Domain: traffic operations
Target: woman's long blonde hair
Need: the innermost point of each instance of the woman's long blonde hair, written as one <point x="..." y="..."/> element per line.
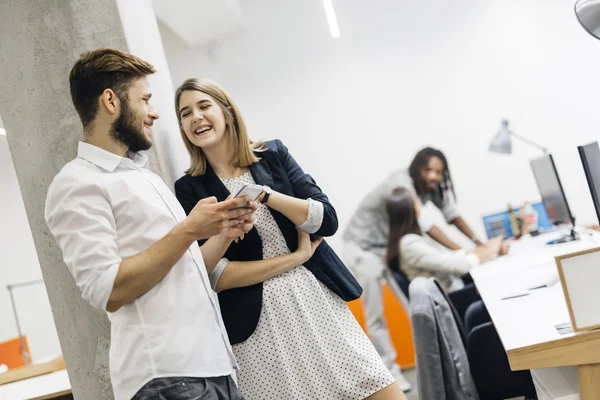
<point x="236" y="133"/>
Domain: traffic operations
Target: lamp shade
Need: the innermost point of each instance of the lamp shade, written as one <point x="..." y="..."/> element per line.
<point x="588" y="15"/>
<point x="502" y="142"/>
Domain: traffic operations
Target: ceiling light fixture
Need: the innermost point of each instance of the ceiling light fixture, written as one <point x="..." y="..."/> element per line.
<point x="331" y="19"/>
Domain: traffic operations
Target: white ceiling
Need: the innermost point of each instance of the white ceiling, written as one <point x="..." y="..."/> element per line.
<point x="200" y="22"/>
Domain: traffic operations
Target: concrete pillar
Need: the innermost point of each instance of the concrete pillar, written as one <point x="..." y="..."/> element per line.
<point x="39" y="42"/>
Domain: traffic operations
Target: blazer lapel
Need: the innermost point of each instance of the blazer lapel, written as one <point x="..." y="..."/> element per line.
<point x="261" y="172"/>
<point x="211" y="180"/>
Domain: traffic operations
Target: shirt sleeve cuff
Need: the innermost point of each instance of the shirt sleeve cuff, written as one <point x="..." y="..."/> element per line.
<point x="425" y="222"/>
<point x="315" y="217"/>
<point x="451" y="212"/>
<point x="216" y="273"/>
<point x="473" y="260"/>
<point x="102" y="288"/>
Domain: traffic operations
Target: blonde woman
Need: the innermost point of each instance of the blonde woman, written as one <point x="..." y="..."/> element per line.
<point x="282" y="289"/>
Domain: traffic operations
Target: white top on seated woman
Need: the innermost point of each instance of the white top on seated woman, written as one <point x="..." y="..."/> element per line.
<point x="411" y="253"/>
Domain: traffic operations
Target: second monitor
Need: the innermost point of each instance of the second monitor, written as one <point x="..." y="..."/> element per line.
<point x="590" y="158"/>
<point x="553" y="195"/>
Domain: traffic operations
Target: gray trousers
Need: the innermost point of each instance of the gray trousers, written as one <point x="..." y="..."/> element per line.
<point x="174" y="388"/>
<point x="368" y="268"/>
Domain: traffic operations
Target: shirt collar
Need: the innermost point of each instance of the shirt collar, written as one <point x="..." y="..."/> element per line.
<point x="107" y="160"/>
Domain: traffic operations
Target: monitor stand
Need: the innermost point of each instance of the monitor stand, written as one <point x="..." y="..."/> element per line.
<point x="566" y="238"/>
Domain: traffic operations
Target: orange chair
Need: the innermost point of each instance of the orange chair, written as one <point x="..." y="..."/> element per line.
<point x="398" y="322"/>
<point x="10" y="352"/>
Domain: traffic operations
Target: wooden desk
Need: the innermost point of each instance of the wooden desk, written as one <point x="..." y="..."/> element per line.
<point x="526" y="325"/>
<point x="47" y="386"/>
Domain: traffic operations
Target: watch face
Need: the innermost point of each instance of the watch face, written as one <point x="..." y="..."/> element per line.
<point x="267" y="191"/>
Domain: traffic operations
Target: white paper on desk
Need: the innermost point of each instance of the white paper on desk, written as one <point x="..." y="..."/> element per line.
<point x="514" y="295"/>
<point x="547" y="280"/>
<point x="539" y="276"/>
<point x="564" y="329"/>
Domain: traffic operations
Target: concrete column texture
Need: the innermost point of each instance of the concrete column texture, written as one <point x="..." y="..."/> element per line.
<point x="39" y="42"/>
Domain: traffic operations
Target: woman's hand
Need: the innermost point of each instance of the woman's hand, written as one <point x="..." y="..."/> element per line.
<point x="487" y="251"/>
<point x="504" y="248"/>
<point x="306" y="247"/>
<point x="495" y="245"/>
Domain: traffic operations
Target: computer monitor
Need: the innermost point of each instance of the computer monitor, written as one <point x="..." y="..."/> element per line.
<point x="553" y="195"/>
<point x="590" y="158"/>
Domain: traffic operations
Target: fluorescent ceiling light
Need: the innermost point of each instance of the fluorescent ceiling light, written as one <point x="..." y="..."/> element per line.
<point x="331" y="19"/>
<point x="2" y="132"/>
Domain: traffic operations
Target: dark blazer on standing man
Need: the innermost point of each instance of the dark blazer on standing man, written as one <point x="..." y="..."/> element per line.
<point x="277" y="169"/>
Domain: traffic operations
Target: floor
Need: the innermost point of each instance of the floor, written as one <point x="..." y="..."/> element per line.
<point x="411" y="375"/>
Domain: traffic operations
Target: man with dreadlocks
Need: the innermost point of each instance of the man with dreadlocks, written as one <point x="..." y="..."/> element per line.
<point x="367" y="234"/>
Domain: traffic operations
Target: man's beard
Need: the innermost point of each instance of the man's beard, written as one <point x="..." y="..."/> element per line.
<point x="128" y="130"/>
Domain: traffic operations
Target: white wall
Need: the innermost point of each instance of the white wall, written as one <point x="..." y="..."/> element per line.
<point x="19" y="263"/>
<point x="405" y="74"/>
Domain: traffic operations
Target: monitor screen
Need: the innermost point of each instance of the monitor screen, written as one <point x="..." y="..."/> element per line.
<point x="551" y="190"/>
<point x="590" y="158"/>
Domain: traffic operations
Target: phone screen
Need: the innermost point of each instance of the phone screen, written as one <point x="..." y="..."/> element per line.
<point x="252" y="191"/>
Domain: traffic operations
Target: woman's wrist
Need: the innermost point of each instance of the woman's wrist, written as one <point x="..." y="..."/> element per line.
<point x="301" y="257"/>
<point x="224" y="239"/>
<point x="265" y="195"/>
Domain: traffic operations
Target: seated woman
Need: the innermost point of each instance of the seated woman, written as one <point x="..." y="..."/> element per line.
<point x="412" y="255"/>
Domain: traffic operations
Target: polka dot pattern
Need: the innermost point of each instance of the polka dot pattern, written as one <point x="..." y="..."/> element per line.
<point x="307" y="344"/>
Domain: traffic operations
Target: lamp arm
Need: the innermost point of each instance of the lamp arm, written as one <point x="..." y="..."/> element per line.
<point x="524" y="139"/>
<point x="24" y="354"/>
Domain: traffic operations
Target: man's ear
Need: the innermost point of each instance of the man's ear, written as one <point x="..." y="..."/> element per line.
<point x="109" y="101"/>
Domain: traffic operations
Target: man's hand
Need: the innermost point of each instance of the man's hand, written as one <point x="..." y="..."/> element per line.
<point x="244" y="225"/>
<point x="209" y="217"/>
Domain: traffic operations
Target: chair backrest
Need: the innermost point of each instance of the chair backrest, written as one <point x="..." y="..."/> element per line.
<point x="397" y="289"/>
<point x="11" y="352"/>
<point x="402" y="281"/>
<point x="442" y="364"/>
<point x="457" y="320"/>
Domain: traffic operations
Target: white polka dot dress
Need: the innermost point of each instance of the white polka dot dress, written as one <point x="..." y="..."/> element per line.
<point x="307" y="344"/>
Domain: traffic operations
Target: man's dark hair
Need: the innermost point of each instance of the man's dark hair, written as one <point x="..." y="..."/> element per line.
<point x="102" y="69"/>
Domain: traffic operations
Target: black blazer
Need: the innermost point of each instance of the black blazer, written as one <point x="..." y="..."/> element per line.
<point x="277" y="169"/>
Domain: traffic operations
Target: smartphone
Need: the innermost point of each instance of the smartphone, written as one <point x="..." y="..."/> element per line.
<point x="252" y="191"/>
